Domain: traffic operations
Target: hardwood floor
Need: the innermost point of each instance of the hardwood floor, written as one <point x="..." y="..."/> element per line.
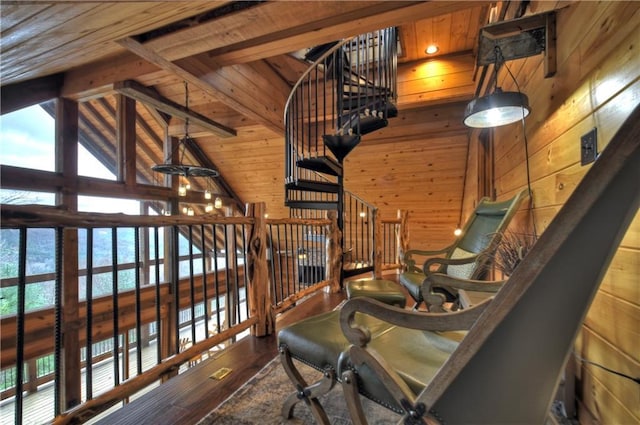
<point x="188" y="397"/>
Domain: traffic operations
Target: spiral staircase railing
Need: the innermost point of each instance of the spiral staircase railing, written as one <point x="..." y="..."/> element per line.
<point x="347" y="92"/>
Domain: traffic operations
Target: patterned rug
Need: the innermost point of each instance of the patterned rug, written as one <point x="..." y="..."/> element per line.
<point x="259" y="402"/>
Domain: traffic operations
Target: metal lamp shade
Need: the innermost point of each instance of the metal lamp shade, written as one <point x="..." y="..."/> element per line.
<point x="496" y="109"/>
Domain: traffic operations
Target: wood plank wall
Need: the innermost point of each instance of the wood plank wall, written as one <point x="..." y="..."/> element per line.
<point x="415" y="164"/>
<point x="597" y="85"/>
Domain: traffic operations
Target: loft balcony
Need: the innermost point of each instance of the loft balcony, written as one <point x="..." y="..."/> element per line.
<point x="149" y="297"/>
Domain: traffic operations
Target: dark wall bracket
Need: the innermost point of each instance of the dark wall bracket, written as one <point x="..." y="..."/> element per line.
<point x="521" y="38"/>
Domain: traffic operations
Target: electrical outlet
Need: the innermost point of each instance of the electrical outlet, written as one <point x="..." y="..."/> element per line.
<point x="589" y="147"/>
<point x="220" y="373"/>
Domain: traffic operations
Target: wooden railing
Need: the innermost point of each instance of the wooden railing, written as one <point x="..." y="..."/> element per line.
<point x="198" y="283"/>
<point x="392" y="241"/>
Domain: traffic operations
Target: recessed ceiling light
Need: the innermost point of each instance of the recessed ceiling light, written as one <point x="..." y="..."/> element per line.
<point x="431" y="49"/>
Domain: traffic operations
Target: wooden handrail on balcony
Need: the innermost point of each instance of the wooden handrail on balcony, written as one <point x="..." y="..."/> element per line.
<point x="269" y="246"/>
<point x="113" y="315"/>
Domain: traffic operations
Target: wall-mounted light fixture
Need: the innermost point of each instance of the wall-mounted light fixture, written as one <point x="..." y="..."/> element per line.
<point x="431" y="49"/>
<point x="503" y="41"/>
<point x="498" y="108"/>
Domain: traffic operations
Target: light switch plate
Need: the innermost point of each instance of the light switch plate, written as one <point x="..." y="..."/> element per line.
<point x="589" y="147"/>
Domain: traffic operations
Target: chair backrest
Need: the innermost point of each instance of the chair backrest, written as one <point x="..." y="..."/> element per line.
<point x="483" y="232"/>
<point x="507" y="368"/>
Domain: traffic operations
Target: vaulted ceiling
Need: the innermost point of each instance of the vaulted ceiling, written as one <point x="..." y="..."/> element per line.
<point x="236" y="58"/>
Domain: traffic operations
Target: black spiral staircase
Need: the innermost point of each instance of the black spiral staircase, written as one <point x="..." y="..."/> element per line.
<point x="348" y="92"/>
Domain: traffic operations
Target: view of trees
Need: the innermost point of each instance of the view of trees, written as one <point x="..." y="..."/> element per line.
<point x="41" y="259"/>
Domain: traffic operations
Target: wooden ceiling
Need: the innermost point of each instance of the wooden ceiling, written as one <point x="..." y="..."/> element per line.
<point x="235" y="57"/>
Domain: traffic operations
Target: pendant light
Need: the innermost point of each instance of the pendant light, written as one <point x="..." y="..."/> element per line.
<point x="181" y="169"/>
<point x="498" y="108"/>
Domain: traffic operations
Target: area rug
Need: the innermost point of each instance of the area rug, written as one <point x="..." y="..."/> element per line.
<point x="259" y="402"/>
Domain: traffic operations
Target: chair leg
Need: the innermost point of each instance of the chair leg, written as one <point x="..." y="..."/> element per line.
<point x="305" y="392"/>
<point x="416" y="306"/>
<point x="352" y="397"/>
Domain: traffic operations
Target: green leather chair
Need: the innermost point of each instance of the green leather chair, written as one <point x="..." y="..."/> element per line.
<point x="319" y="342"/>
<point x="468" y="257"/>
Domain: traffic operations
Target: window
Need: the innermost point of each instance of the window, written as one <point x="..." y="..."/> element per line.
<point x="30" y="130"/>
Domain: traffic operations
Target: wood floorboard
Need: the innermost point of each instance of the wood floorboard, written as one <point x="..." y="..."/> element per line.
<point x="186" y="398"/>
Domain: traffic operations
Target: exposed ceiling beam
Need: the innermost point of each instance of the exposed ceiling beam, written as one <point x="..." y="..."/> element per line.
<point x="236" y="89"/>
<point x="334" y="28"/>
<point x="254" y="89"/>
<point x="302" y="31"/>
<point x="33" y="92"/>
<point x="230" y="33"/>
<point x="149" y="96"/>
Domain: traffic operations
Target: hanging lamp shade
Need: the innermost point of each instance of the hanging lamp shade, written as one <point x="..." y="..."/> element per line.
<point x="185" y="170"/>
<point x="496" y="109"/>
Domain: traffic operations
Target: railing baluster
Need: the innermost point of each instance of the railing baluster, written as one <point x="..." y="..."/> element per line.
<point x="114" y="297"/>
<point x="296" y="242"/>
<point x="215" y="276"/>
<point x="280" y="265"/>
<point x="245" y="252"/>
<point x="156" y="250"/>
<point x="370" y="234"/>
<point x="205" y="295"/>
<point x="192" y="288"/>
<point x="22" y="287"/>
<point x="287" y="256"/>
<point x="57" y="331"/>
<point x="272" y="265"/>
<point x="236" y="282"/>
<point x="89" y="296"/>
<point x="136" y="238"/>
<point x="228" y="306"/>
<point x="175" y="285"/>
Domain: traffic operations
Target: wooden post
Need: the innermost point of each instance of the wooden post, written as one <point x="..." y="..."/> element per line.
<point x="378" y="237"/>
<point x="67" y="164"/>
<point x="31" y="385"/>
<point x="258" y="292"/>
<point x="334" y="252"/>
<point x="126" y="139"/>
<point x="402" y="236"/>
<point x="168" y="333"/>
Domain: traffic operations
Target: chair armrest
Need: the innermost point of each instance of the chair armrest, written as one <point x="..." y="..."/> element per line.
<point x="410" y="262"/>
<point x="360" y="336"/>
<point x="449" y="261"/>
<point x="435" y="300"/>
<point x="441" y="279"/>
